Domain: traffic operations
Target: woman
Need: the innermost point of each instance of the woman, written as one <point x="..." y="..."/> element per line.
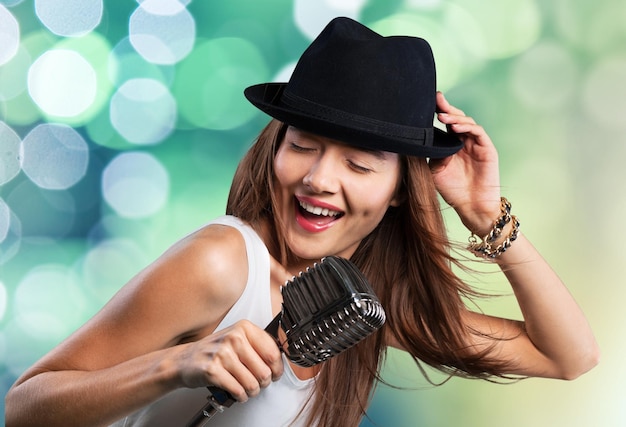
<point x="350" y="166"/>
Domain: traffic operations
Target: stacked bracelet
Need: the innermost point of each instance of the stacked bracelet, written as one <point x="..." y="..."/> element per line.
<point x="485" y="248"/>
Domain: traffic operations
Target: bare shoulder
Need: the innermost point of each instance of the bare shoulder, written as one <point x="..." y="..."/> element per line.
<point x="199" y="278"/>
<point x="216" y="257"/>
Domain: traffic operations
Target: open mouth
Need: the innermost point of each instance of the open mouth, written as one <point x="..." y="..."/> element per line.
<point x="316" y="216"/>
<point x="317" y="210"/>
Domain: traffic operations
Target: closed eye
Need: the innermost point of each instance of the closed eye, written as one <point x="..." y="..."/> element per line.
<point x="300" y="148"/>
<point x="359" y="168"/>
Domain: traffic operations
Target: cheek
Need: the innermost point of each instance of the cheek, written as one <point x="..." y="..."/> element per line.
<point x="386" y="190"/>
<point x="281" y="169"/>
<point x="286" y="178"/>
<point x="373" y="199"/>
<point x="287" y="166"/>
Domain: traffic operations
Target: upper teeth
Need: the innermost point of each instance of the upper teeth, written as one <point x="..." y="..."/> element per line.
<point x="316" y="210"/>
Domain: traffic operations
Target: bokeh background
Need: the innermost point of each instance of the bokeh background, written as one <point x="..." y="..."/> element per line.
<point x="121" y="124"/>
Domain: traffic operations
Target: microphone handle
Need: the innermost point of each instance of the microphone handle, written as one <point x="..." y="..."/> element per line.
<point x="218" y="401"/>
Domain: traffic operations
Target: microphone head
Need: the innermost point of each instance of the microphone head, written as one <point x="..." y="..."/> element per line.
<point x="326" y="310"/>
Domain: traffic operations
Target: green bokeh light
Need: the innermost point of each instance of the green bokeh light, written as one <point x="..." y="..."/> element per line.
<point x="210" y="81"/>
<point x="594" y="27"/>
<point x="546" y="77"/>
<point x="604" y="101"/>
<point x="126" y="64"/>
<point x="50" y="301"/>
<point x="13" y="75"/>
<point x="101" y="131"/>
<point x="508" y="27"/>
<point x="106" y="265"/>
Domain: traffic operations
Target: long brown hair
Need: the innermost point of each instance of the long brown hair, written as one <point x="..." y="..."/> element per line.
<point x="406" y="258"/>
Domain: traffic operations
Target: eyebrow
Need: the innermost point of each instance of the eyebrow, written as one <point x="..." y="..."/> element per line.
<point x="380" y="154"/>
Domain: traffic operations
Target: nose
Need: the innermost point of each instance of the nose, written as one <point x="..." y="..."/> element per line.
<point x="322" y="175"/>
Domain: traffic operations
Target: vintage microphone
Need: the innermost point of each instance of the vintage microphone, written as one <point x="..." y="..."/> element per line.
<point x="326" y="310"/>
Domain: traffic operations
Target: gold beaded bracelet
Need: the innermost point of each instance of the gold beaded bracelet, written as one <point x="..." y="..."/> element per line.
<point x="484" y="248"/>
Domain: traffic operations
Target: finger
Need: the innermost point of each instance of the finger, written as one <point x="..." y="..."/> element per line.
<point x="472" y="129"/>
<point x="242" y="375"/>
<point x="252" y="372"/>
<point x="247" y="379"/>
<point x="255" y="354"/>
<point x="253" y="350"/>
<point x="450" y="119"/>
<point x="234" y="364"/>
<point x="443" y="106"/>
<point x="266" y="358"/>
<point x="461" y="124"/>
<point x="225" y="370"/>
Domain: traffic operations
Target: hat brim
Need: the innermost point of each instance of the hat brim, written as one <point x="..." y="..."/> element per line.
<point x="267" y="97"/>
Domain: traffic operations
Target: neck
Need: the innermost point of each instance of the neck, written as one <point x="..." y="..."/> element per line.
<point x="294" y="264"/>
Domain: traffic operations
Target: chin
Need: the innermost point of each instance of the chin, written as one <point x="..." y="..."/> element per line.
<point x="305" y="255"/>
<point x="315" y="252"/>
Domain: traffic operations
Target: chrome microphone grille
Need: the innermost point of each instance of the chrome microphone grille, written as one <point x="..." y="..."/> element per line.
<point x="326" y="310"/>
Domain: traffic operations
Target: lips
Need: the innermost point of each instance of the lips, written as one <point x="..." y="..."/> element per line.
<point x="314" y="216"/>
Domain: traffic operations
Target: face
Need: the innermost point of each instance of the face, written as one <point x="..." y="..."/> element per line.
<point x="331" y="195"/>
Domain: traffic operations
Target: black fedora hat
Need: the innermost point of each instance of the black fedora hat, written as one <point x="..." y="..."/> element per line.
<point x="356" y="86"/>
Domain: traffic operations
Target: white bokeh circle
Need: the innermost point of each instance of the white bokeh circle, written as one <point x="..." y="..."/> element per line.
<point x="9" y="35"/>
<point x="135" y="184"/>
<point x="62" y="83"/>
<point x="55" y="156"/>
<point x="147" y="102"/>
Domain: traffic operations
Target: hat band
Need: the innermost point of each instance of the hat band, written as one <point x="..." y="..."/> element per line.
<point x="420" y="136"/>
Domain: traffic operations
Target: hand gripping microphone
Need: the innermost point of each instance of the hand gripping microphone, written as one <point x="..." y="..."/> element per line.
<point x="326" y="310"/>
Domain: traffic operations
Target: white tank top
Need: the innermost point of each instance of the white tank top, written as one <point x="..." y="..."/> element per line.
<point x="277" y="405"/>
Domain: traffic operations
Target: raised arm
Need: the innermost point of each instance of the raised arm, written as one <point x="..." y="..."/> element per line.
<point x="555" y="339"/>
<point x="154" y="336"/>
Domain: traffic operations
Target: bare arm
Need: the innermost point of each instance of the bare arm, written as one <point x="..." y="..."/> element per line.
<point x="56" y="396"/>
<point x="554" y="340"/>
<point x="154" y="336"/>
